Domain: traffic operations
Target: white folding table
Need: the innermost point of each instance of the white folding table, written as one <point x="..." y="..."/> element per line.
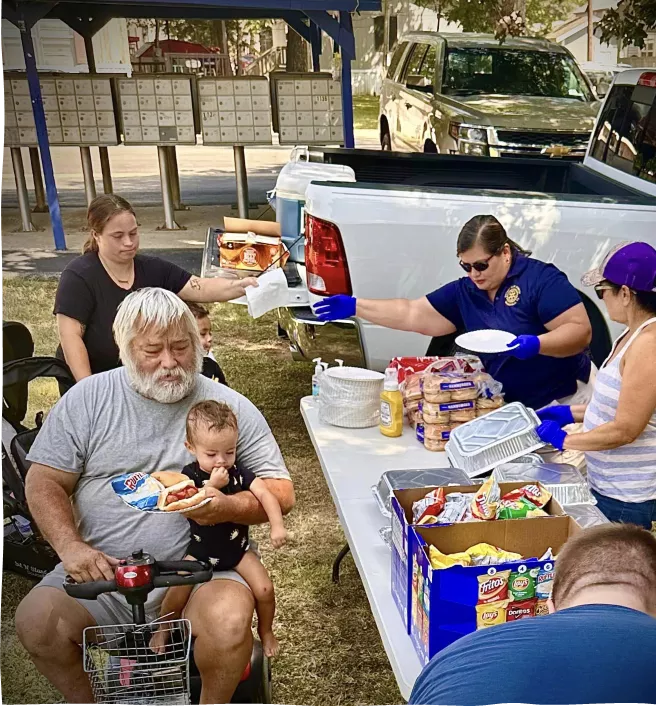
<point x="352" y="461"/>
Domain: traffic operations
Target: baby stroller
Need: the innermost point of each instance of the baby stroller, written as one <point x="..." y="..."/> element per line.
<point x="26" y="552"/>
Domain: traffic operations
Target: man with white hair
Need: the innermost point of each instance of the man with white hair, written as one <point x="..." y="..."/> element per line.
<point x="133" y="419"/>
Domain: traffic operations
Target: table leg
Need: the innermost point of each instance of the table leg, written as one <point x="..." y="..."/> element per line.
<point x="338" y="560"/>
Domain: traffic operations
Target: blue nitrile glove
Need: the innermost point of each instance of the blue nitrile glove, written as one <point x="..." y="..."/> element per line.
<point x="551" y="433"/>
<point x="340" y="306"/>
<point x="524" y="347"/>
<point x="559" y="413"/>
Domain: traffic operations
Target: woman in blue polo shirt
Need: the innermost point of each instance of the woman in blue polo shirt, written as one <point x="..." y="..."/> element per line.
<point x="504" y="289"/>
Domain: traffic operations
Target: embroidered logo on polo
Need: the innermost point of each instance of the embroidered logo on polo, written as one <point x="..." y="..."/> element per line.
<point x="512" y="295"/>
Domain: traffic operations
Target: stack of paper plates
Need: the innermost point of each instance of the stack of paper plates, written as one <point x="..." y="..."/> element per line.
<point x="350" y="397"/>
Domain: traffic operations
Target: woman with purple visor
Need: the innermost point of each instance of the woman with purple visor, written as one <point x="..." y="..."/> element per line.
<point x="619" y="422"/>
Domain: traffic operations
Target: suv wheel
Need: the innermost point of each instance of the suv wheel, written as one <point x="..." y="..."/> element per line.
<point x="386" y="142"/>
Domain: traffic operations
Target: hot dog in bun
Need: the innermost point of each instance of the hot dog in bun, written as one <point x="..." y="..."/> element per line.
<point x="179" y="492"/>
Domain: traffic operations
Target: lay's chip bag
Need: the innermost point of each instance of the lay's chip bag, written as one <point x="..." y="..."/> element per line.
<point x="444" y="561"/>
<point x="489" y="614"/>
<point x="486" y="501"/>
<point x="522" y="583"/>
<point x="484" y="554"/>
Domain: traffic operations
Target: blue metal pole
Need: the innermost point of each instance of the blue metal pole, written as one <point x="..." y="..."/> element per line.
<point x="42" y="134"/>
<point x="347" y="90"/>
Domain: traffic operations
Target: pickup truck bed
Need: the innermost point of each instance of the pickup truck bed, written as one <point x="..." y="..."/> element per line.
<point x="454" y="172"/>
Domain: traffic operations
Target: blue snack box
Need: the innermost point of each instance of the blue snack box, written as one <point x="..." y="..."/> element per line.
<point x="443" y="601"/>
<point x="403" y="539"/>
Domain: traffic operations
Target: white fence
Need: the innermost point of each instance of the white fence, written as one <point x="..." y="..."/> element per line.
<point x="366" y="82"/>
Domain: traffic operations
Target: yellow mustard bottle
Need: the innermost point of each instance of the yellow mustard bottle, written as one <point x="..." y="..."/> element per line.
<point x="391" y="406"/>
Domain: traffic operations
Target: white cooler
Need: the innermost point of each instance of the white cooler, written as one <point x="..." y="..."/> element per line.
<point x="292" y="182"/>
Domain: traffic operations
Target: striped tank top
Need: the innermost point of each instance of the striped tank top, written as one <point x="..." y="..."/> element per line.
<point x="627" y="473"/>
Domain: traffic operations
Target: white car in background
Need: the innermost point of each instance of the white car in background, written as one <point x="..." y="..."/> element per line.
<point x="601" y="75"/>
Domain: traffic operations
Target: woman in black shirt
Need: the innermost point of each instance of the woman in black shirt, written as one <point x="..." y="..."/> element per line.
<point x="93" y="285"/>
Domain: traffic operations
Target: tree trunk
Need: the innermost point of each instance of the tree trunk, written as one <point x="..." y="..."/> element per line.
<point x="297" y="53"/>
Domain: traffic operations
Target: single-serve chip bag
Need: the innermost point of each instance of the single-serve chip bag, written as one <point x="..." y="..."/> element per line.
<point x="484" y="554"/>
<point x="518" y="610"/>
<point x="486" y="501"/>
<point x="444" y="561"/>
<point x="455" y="509"/>
<point x="544" y="583"/>
<point x="489" y="614"/>
<point x="518" y="509"/>
<point x="535" y="493"/>
<point x="429" y="506"/>
<point x="522" y="583"/>
<point x="138" y="490"/>
<point x="493" y="587"/>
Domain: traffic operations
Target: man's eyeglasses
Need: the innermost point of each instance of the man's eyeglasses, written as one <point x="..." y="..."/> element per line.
<point x="479" y="266"/>
<point x="600" y="289"/>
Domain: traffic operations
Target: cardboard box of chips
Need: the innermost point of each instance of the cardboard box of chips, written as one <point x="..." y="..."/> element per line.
<point x="447" y="603"/>
<point x="403" y="539"/>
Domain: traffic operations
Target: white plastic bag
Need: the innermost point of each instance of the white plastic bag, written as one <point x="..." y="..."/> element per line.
<point x="273" y="292"/>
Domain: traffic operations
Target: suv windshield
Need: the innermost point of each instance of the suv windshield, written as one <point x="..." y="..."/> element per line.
<point x="513" y="72"/>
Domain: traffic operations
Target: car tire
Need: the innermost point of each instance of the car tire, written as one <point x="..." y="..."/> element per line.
<point x="386" y="142"/>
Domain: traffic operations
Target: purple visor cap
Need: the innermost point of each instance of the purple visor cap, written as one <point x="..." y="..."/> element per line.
<point x="632" y="264"/>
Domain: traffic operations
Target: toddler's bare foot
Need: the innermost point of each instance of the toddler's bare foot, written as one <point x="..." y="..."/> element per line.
<point x="158" y="641"/>
<point x="270" y="644"/>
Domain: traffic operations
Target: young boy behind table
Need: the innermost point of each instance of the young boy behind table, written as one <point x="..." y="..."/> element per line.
<point x="212" y="438"/>
<point x="211" y="369"/>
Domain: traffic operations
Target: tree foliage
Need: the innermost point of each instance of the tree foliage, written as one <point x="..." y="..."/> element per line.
<point x="496" y="16"/>
<point x="630" y="22"/>
<point x="240" y="34"/>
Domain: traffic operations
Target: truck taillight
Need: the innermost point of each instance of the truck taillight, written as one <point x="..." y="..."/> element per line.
<point x="325" y="259"/>
<point x="648" y="78"/>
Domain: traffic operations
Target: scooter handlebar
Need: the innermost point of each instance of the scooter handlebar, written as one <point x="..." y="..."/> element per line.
<point x="167" y="573"/>
<point x="89" y="590"/>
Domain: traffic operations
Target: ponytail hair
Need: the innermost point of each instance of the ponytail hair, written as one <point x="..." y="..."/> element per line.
<point x="100" y="211"/>
<point x="487" y="232"/>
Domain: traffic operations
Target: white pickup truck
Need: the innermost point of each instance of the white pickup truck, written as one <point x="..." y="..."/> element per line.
<point x="393" y="232"/>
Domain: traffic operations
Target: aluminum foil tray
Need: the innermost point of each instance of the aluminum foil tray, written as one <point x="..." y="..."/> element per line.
<point x="586" y="515"/>
<point x="402" y="480"/>
<point x="386" y="535"/>
<point x="500" y="436"/>
<point x="564" y="482"/>
<point x="528" y="458"/>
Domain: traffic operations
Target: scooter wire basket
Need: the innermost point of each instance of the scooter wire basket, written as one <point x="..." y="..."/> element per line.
<point x="124" y="669"/>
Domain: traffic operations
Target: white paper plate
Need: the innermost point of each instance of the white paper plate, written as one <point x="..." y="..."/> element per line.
<point x="486" y="341"/>
<point x="176" y="512"/>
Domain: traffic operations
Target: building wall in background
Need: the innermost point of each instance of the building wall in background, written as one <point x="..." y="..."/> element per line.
<point x="59" y="48"/>
<point x="370" y="66"/>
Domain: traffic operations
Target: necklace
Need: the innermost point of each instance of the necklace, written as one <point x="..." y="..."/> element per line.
<point x="112" y="275"/>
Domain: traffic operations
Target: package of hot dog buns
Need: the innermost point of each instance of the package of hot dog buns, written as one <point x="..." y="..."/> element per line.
<point x="162" y="491"/>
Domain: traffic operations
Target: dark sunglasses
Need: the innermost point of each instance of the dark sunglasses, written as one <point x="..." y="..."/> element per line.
<point x="479" y="266"/>
<point x="600" y="289"/>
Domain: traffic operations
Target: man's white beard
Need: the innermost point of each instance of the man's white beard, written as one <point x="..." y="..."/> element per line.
<point x="164" y="391"/>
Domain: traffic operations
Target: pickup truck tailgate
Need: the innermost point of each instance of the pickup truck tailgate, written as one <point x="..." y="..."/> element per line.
<point x="298" y="293"/>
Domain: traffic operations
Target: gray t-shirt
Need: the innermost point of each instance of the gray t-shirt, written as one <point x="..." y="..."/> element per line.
<point x="102" y="428"/>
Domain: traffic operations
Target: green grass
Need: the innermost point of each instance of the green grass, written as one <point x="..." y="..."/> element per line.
<point x="331" y="650"/>
<point x="365" y="112"/>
